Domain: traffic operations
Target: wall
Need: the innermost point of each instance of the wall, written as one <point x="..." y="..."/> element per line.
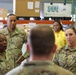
<point x="8" y="4"/>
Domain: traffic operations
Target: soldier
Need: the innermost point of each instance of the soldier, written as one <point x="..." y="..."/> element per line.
<point x="41" y="42"/>
<point x="66" y="56"/>
<point x="15" y="39"/>
<point x="3" y="45"/>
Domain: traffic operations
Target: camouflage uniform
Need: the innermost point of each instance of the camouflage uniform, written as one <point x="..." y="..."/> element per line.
<point x="4" y="66"/>
<point x="15" y="41"/>
<point x="66" y="58"/>
<point x="39" y="68"/>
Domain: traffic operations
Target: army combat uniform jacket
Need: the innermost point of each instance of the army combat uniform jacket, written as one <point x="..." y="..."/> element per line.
<point x="4" y="64"/>
<point x="66" y="58"/>
<point x="15" y="41"/>
<point x="39" y="68"/>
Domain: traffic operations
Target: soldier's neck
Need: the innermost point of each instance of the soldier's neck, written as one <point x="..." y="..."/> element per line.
<point x="33" y="58"/>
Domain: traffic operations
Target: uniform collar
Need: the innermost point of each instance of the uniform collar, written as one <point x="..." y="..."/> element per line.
<point x="13" y="33"/>
<point x="36" y="63"/>
<point x="67" y="47"/>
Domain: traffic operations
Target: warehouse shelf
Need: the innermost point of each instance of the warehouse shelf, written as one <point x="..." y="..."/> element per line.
<point x="66" y="22"/>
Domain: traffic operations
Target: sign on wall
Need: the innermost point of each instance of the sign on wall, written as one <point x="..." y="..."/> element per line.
<point x="57" y="10"/>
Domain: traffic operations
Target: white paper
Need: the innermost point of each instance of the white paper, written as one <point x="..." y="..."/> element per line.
<point x="37" y="11"/>
<point x="37" y="4"/>
<point x="30" y="5"/>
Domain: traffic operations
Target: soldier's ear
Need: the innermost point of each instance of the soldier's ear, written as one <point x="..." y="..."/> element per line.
<point x="54" y="49"/>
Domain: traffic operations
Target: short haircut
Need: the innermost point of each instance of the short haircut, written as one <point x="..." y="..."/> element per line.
<point x="42" y="40"/>
<point x="11" y="15"/>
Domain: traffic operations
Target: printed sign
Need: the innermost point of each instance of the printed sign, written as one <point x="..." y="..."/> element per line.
<point x="57" y="10"/>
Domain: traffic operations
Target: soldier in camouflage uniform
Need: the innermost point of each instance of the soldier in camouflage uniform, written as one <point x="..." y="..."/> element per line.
<point x="15" y="39"/>
<point x="41" y="42"/>
<point x="4" y="66"/>
<point x="66" y="56"/>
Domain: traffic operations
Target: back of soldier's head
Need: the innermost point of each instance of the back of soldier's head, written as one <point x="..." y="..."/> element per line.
<point x="41" y="40"/>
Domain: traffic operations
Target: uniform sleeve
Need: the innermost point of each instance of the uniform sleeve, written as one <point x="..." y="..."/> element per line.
<point x="23" y="34"/>
<point x="55" y="60"/>
<point x="26" y="54"/>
